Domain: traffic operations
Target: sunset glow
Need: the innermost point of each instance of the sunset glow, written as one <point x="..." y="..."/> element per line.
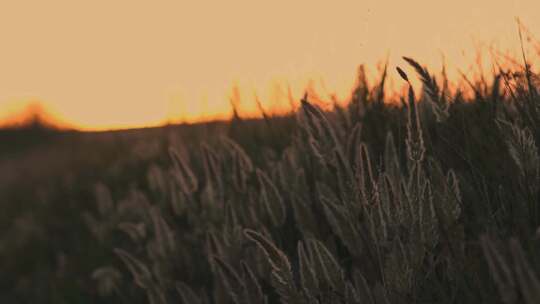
<point x="119" y="64"/>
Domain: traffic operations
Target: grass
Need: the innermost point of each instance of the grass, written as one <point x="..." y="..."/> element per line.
<point x="431" y="197"/>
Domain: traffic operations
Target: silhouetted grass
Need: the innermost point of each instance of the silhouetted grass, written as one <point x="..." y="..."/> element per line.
<point x="430" y="197"/>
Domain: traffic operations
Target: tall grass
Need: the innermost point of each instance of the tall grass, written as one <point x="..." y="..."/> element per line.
<point x="388" y="199"/>
<point x="404" y="208"/>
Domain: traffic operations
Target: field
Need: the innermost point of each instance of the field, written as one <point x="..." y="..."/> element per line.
<point x="430" y="196"/>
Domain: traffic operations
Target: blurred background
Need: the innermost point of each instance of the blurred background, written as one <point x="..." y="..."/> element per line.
<point x="107" y="65"/>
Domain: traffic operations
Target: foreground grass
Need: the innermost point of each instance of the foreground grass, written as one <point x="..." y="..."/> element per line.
<point x="428" y="198"/>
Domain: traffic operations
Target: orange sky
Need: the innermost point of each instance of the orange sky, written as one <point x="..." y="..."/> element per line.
<point x="114" y="64"/>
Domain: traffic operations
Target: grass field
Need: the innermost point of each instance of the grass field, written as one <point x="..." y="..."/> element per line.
<point x="431" y="196"/>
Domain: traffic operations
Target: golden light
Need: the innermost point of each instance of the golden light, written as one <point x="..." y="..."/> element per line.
<point x="119" y="64"/>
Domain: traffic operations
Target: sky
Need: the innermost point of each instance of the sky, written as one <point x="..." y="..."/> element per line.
<point x="110" y="64"/>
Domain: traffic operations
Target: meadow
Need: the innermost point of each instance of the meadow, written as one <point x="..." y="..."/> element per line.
<point x="429" y="196"/>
